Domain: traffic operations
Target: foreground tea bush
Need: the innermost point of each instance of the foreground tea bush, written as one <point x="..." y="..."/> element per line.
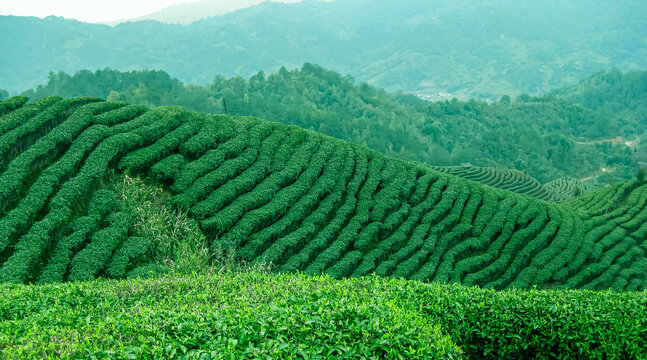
<point x="232" y="316"/>
<point x="257" y="315"/>
<point x="529" y="324"/>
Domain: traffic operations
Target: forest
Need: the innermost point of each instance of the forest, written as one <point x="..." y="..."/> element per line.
<point x="549" y="137"/>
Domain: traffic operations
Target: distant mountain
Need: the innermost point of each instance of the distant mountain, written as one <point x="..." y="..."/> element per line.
<point x="437" y="48"/>
<point x="187" y="13"/>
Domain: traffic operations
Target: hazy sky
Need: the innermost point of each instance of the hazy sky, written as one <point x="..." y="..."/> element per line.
<point x="88" y="10"/>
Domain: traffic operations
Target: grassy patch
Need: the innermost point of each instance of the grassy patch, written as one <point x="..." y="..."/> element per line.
<point x="177" y="241"/>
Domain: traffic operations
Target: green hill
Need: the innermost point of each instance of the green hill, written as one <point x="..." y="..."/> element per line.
<point x="614" y="92"/>
<point x="546" y="137"/>
<point x="566" y="188"/>
<point x="287" y="196"/>
<point x="517" y="181"/>
<point x="440" y="49"/>
<point x="623" y="95"/>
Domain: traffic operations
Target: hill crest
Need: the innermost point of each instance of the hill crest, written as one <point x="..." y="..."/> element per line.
<point x="291" y="197"/>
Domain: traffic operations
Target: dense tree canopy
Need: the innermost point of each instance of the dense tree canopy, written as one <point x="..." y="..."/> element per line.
<point x="548" y="137"/>
<point x="614" y="93"/>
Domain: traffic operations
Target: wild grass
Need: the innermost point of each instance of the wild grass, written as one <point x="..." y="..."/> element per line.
<point x="178" y="243"/>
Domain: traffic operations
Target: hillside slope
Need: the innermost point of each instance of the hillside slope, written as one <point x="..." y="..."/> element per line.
<point x="517" y="181"/>
<point x="622" y="94"/>
<point x="461" y="48"/>
<point x="545" y="137"/>
<point x="292" y="197"/>
<point x="615" y="92"/>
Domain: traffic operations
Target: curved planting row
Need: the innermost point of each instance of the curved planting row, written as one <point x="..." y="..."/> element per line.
<point x="565" y="188"/>
<point x="12" y="104"/>
<point x="55" y="224"/>
<point x="513" y="180"/>
<point x="297" y="199"/>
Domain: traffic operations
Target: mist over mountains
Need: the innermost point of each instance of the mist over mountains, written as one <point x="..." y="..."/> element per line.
<point x="186" y="13"/>
<point x="431" y="48"/>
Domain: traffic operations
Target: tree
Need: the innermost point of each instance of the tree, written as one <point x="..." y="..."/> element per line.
<point x="640" y="176"/>
<point x="114" y="96"/>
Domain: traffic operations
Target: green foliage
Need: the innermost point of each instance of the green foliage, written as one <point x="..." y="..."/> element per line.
<point x="533" y="324"/>
<point x="566" y="188"/>
<point x="612" y="92"/>
<point x="517" y="181"/>
<point x="131" y="249"/>
<point x="545" y="137"/>
<point x="168" y="237"/>
<point x="102" y="204"/>
<point x="87" y="264"/>
<point x="80" y="201"/>
<point x="250" y="314"/>
<point x="246" y="316"/>
<point x="11" y="104"/>
<point x="168" y="168"/>
<point x="640" y="176"/>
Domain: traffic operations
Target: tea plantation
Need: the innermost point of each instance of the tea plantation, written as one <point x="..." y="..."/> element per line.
<point x="255" y="315"/>
<point x="294" y="198"/>
<point x="517" y="181"/>
<point x="303" y="202"/>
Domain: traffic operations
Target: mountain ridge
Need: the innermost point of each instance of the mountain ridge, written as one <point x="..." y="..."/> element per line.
<point x="186" y="13"/>
<point x="425" y="48"/>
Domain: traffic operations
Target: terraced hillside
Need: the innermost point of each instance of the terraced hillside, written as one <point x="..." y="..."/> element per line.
<point x="295" y="198"/>
<point x="516" y="181"/>
<point x="566" y="188"/>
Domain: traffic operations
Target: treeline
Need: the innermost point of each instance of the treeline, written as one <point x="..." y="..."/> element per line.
<point x="547" y="137"/>
<point x="544" y="136"/>
<point x="623" y="95"/>
<point x="615" y="93"/>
